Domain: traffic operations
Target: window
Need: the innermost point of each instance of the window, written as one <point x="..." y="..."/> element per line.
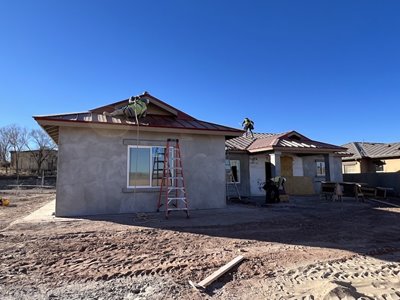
<point x="234" y="175"/>
<point x="349" y="168"/>
<point x="145" y="166"/>
<point x="320" y="168"/>
<point x="379" y="165"/>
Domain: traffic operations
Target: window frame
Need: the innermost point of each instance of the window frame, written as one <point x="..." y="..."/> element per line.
<point x="379" y="166"/>
<point x="352" y="167"/>
<point x="317" y="162"/>
<point x="150" y="150"/>
<point x="228" y="164"/>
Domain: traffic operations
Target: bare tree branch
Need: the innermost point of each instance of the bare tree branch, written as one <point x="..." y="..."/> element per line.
<point x="4" y="149"/>
<point x="42" y="146"/>
<point x="4" y="145"/>
<point x="18" y="139"/>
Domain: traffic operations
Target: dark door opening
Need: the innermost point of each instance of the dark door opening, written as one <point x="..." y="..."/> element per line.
<point x="268" y="170"/>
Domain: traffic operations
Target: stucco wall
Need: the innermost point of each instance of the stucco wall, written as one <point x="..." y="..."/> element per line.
<point x="336" y="168"/>
<point x="310" y="170"/>
<point x="352" y="167"/>
<point x="92" y="172"/>
<point x="368" y="165"/>
<point x="243" y="185"/>
<point x="257" y="174"/>
<point x="391" y="165"/>
<point x="304" y="181"/>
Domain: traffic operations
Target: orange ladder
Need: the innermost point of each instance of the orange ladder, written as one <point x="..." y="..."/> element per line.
<point x="172" y="189"/>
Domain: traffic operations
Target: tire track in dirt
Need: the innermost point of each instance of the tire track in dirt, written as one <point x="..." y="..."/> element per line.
<point x="102" y="256"/>
<point x="354" y="277"/>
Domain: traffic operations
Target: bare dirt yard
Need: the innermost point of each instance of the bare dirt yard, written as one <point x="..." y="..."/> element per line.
<point x="305" y="249"/>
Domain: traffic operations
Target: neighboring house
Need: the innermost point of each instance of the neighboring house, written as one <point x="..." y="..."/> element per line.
<point x="371" y="158"/>
<point x="97" y="155"/>
<point x="303" y="162"/>
<point x="28" y="160"/>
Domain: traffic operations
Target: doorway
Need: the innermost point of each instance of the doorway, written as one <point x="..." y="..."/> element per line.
<point x="268" y="170"/>
<point x="286" y="166"/>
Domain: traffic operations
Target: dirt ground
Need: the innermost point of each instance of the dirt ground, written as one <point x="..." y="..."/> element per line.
<point x="305" y="249"/>
<point x="23" y="202"/>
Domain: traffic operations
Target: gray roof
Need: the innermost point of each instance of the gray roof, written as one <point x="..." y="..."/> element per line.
<point x="160" y="116"/>
<point x="372" y="150"/>
<point x="287" y="141"/>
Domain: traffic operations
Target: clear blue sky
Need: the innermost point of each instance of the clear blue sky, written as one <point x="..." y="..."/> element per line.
<point x="328" y="69"/>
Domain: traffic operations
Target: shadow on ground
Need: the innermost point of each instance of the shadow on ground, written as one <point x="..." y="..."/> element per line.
<point x="367" y="228"/>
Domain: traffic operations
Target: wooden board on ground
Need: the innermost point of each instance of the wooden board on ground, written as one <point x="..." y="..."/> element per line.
<point x="211" y="278"/>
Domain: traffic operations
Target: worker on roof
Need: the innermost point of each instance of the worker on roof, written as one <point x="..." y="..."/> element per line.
<point x="248" y="125"/>
<point x="137" y="107"/>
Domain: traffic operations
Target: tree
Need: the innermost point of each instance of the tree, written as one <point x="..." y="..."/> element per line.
<point x="4" y="145"/>
<point x="4" y="149"/>
<point x="18" y="139"/>
<point x="42" y="146"/>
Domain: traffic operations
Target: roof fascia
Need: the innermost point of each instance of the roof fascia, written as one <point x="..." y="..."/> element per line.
<point x="287" y="134"/>
<point x="296" y="150"/>
<point x="238" y="151"/>
<point x="81" y="124"/>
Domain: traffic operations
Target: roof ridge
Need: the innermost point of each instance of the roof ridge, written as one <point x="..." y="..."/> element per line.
<point x="252" y="142"/>
<point x="147" y="94"/>
<point x="360" y="149"/>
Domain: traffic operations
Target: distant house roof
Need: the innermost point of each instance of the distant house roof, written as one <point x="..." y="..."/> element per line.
<point x="160" y="117"/>
<point x="291" y="140"/>
<point x="35" y="150"/>
<point x="372" y="150"/>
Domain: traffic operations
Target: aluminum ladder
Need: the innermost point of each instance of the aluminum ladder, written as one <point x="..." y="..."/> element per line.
<point x="172" y="189"/>
<point x="231" y="181"/>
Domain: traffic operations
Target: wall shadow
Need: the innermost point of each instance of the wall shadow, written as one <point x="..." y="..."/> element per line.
<point x="366" y="228"/>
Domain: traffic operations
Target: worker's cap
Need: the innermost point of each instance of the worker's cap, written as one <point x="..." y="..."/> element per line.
<point x="133" y="99"/>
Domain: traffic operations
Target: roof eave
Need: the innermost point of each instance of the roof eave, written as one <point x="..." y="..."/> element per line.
<point x="43" y="122"/>
<point x="296" y="150"/>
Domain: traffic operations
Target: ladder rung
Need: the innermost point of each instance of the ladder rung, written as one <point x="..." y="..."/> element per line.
<point x="173" y="191"/>
<point x="176" y="198"/>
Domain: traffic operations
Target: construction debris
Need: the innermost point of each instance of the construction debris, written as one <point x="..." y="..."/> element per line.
<point x="4" y="202"/>
<point x="214" y="276"/>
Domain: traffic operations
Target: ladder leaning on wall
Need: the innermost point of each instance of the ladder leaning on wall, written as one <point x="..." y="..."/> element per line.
<point x="172" y="189"/>
<point x="231" y="181"/>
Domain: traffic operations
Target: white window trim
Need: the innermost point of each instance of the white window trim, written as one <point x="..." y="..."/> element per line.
<point x="380" y="171"/>
<point x="239" y="173"/>
<point x="316" y="168"/>
<point x="150" y="167"/>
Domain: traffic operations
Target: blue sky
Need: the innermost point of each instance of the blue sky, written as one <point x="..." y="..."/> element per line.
<point x="328" y="69"/>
